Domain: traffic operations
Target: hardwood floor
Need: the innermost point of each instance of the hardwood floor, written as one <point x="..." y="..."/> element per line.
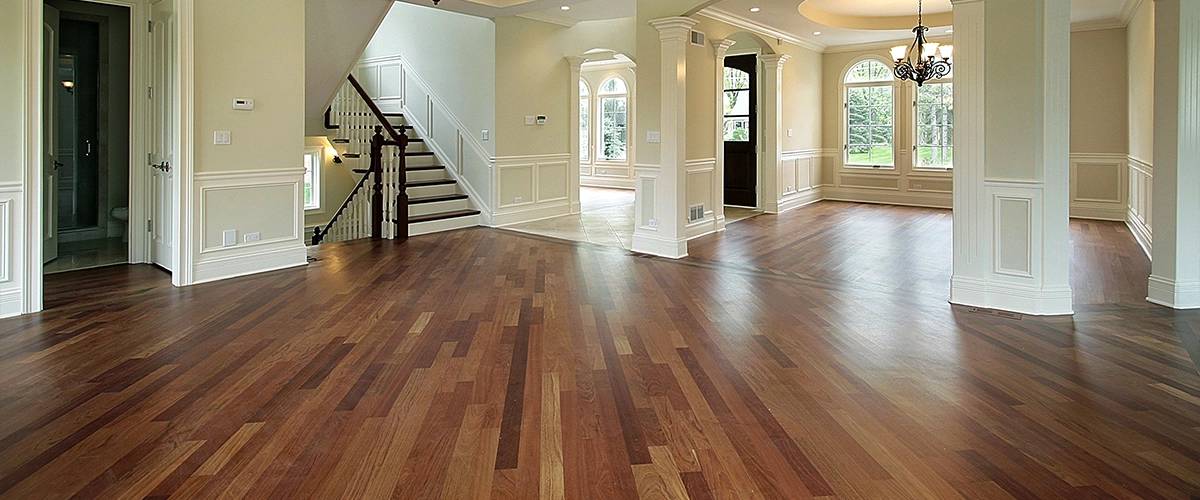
<point x="799" y="356"/>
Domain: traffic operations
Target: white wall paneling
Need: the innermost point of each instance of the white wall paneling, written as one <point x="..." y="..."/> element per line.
<point x="530" y="188"/>
<point x="12" y="263"/>
<point x="800" y="177"/>
<point x="398" y="88"/>
<point x="701" y="190"/>
<point x="1099" y="186"/>
<point x="1141" y="203"/>
<point x="221" y="198"/>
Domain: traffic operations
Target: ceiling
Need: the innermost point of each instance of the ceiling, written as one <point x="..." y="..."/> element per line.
<point x="839" y="22"/>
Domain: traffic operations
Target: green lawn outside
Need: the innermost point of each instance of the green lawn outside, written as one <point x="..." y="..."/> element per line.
<point x="879" y="155"/>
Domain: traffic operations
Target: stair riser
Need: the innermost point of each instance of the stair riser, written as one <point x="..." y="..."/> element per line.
<point x="438" y="226"/>
<point x="421" y="161"/>
<point x="430" y="191"/>
<point x="439" y="207"/>
<point x="426" y="175"/>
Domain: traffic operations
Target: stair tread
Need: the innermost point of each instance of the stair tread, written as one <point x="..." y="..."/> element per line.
<point x="351" y="155"/>
<point x="443" y="216"/>
<point x="435" y="199"/>
<point x="438" y="182"/>
<point x="418" y="153"/>
<point x="426" y="168"/>
<point x="340" y="141"/>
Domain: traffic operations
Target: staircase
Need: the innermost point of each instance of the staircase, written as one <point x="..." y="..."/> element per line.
<point x="405" y="189"/>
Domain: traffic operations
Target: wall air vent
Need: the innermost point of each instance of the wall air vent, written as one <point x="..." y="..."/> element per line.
<point x="699" y="38"/>
<point x="695" y="213"/>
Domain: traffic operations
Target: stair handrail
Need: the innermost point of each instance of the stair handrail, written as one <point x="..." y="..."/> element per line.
<point x="378" y="142"/>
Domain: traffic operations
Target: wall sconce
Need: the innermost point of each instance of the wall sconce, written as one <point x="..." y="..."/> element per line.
<point x="69" y="85"/>
<point x="337" y="159"/>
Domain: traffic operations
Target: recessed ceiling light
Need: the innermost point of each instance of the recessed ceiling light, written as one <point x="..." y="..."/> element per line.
<point x="754" y="9"/>
<point x="817" y="33"/>
<point x="565" y="7"/>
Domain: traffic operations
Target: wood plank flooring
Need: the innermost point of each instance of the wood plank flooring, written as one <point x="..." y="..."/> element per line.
<point x="809" y="355"/>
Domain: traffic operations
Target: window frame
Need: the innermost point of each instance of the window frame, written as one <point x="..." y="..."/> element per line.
<point x="845" y="118"/>
<point x="317" y="156"/>
<point x="598" y="120"/>
<point x="916" y="128"/>
<point x="586" y="139"/>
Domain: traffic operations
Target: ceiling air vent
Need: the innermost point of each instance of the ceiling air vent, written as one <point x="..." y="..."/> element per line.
<point x="698" y="38"/>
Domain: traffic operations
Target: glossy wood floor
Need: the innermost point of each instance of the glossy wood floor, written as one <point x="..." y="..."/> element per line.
<point x="805" y="355"/>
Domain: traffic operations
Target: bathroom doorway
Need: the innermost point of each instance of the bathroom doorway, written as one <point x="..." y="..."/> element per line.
<point x="87" y="51"/>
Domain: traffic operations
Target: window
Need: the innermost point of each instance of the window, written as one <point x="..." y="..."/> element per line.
<point x="870" y="107"/>
<point x="614" y="102"/>
<point x="585" y="118"/>
<point x="935" y="125"/>
<point x="312" y="180"/>
<point x="737" y="105"/>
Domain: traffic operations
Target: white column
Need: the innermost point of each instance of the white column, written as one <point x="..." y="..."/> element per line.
<point x="1012" y="165"/>
<point x="660" y="228"/>
<point x="1175" y="272"/>
<point x="772" y="131"/>
<point x="575" y="64"/>
<point x="720" y="47"/>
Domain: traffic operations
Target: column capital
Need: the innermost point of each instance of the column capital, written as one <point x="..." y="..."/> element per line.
<point x="576" y="62"/>
<point x="674" y="28"/>
<point x="720" y="47"/>
<point x="774" y="61"/>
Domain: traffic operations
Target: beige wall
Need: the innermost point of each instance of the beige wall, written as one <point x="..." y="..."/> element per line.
<point x="1013" y="143"/>
<point x="1099" y="114"/>
<point x="1140" y="46"/>
<point x="12" y="89"/>
<point x="533" y="78"/>
<point x="239" y="54"/>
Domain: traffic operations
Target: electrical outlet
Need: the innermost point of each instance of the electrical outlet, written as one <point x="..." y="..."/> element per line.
<point x="917" y="186"/>
<point x="252" y="237"/>
<point x="652" y="223"/>
<point x="789" y="132"/>
<point x="222" y="138"/>
<point x="229" y="237"/>
<point x="518" y="199"/>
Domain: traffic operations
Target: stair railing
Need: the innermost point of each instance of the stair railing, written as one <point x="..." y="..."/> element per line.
<point x="360" y="125"/>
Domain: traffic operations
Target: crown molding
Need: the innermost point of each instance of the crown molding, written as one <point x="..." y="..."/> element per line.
<point x="1103" y="24"/>
<point x="1131" y="8"/>
<point x="871" y="46"/>
<point x="547" y="17"/>
<point x="740" y="22"/>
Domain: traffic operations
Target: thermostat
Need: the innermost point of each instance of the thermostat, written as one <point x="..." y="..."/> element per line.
<point x="243" y="104"/>
<point x="541" y="119"/>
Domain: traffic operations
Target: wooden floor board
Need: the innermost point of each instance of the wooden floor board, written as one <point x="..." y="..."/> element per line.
<point x="810" y="354"/>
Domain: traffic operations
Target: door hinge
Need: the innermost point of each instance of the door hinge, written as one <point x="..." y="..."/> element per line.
<point x="149" y="158"/>
<point x="149" y="226"/>
<point x="150" y="26"/>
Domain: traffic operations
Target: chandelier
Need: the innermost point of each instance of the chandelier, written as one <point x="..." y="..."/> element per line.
<point x="920" y="62"/>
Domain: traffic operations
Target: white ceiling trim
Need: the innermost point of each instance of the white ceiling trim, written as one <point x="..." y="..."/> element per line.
<point x="1131" y="8"/>
<point x="869" y="46"/>
<point x="758" y="29"/>
<point x="1103" y="24"/>
<point x="550" y="17"/>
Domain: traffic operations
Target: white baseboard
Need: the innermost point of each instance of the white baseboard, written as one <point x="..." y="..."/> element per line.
<point x="1174" y="294"/>
<point x="800" y="199"/>
<point x="12" y="303"/>
<point x="1056" y="301"/>
<point x="1141" y="232"/>
<point x="662" y="247"/>
<point x="702" y="227"/>
<point x="602" y="182"/>
<point x="889" y="197"/>
<point x="1116" y="211"/>
<point x="536" y="212"/>
<point x="250" y="260"/>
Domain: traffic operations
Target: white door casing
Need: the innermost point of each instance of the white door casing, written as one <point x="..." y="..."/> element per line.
<point x="50" y="37"/>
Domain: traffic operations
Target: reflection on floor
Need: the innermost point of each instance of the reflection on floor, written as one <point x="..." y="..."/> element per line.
<point x="606" y="218"/>
<point x="87" y="254"/>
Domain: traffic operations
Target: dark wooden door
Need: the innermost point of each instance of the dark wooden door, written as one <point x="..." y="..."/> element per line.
<point x="741" y="134"/>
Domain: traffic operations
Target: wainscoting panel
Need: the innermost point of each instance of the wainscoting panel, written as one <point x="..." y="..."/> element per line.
<point x="12" y="265"/>
<point x="268" y="202"/>
<point x="1099" y="186"/>
<point x="800" y="178"/>
<point x="701" y="190"/>
<point x="530" y="188"/>
<point x="1141" y="202"/>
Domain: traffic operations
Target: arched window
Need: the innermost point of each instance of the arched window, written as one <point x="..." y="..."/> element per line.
<point x="935" y="124"/>
<point x="614" y="111"/>
<point x="585" y="120"/>
<point x="870" y="109"/>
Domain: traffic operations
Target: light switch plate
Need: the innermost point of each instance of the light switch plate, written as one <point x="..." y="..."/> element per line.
<point x="242" y="104"/>
<point x="253" y="237"/>
<point x="486" y="135"/>
<point x="530" y="120"/>
<point x="222" y="138"/>
<point x="229" y="238"/>
<point x="789" y="132"/>
<point x="654" y="137"/>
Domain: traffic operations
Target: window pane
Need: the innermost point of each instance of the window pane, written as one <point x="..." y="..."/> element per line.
<point x="736" y="79"/>
<point x="585" y="142"/>
<point x="583" y="89"/>
<point x="613" y="86"/>
<point x="613" y="127"/>
<point x="869" y="125"/>
<point x="737" y="102"/>
<point x="311" y="182"/>
<point x="935" y="125"/>
<point x="869" y="71"/>
<point x="737" y="129"/>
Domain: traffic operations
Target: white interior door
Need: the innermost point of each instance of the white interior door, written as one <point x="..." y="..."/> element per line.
<point x="50" y="92"/>
<point x="162" y="140"/>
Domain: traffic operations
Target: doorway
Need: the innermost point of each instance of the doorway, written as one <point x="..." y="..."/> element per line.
<point x="87" y="135"/>
<point x="741" y="130"/>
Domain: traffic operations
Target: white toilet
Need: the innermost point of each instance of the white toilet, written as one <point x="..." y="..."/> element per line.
<point x="122" y="214"/>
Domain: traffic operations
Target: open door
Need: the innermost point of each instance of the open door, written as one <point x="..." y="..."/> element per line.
<point x="51" y="90"/>
<point x="162" y="140"/>
<point x="741" y="134"/>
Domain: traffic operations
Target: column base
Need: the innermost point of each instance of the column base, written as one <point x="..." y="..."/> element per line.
<point x="1174" y="294"/>
<point x="1029" y="300"/>
<point x="652" y="244"/>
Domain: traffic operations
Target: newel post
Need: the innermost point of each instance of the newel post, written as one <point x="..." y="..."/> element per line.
<point x="377" y="194"/>
<point x="402" y="186"/>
